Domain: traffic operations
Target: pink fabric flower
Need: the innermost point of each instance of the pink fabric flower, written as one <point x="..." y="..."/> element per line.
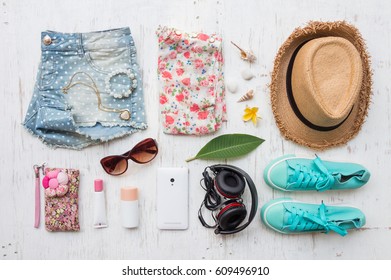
<point x="203" y="115"/>
<point x="172" y="55"/>
<point x="204" y="83"/>
<point x="168" y="89"/>
<point x="169" y="41"/>
<point x="169" y="119"/>
<point x="203" y="37"/>
<point x="196" y="49"/>
<point x="186" y="54"/>
<point x="180" y="71"/>
<point x="167" y="75"/>
<point x="194" y="108"/>
<point x="204" y="130"/>
<point x="198" y="63"/>
<point x="163" y="99"/>
<point x="162" y="66"/>
<point x="186" y="81"/>
<point x="218" y="56"/>
<point x="179" y="97"/>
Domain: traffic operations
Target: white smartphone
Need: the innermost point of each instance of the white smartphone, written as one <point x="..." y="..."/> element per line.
<point x="172" y="198"/>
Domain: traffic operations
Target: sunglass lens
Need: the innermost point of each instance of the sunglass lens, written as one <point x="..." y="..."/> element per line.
<point x="145" y="151"/>
<point x="114" y="165"/>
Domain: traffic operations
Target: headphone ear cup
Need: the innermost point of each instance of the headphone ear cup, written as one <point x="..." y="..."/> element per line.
<point x="231" y="216"/>
<point x="229" y="183"/>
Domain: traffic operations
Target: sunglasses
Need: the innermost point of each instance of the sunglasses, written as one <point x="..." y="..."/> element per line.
<point x="143" y="152"/>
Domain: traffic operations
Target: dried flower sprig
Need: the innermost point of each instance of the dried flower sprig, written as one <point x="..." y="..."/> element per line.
<point x="246" y="55"/>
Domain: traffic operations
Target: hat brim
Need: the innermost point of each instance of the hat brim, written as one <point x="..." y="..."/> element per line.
<point x="289" y="124"/>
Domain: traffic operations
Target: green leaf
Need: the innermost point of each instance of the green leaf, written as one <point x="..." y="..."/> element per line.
<point x="228" y="146"/>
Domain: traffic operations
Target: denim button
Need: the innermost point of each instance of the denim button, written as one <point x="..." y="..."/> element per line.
<point x="47" y="40"/>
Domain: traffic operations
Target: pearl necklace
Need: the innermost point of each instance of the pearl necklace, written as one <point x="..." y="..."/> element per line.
<point x="124" y="113"/>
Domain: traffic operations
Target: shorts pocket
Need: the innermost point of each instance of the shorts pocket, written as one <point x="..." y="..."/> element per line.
<point x="48" y="71"/>
<point x="106" y="60"/>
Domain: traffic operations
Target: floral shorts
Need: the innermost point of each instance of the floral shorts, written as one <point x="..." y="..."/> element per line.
<point x="190" y="71"/>
<point x="88" y="89"/>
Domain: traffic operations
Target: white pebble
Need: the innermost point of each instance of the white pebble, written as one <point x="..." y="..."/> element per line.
<point x="232" y="86"/>
<point x="247" y="74"/>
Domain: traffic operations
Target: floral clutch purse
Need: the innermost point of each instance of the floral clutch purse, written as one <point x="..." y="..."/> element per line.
<point x="61" y="187"/>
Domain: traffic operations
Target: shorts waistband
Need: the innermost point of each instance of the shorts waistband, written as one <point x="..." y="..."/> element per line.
<point x="106" y="39"/>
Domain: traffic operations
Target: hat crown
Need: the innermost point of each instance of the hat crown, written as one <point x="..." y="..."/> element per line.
<point x="326" y="80"/>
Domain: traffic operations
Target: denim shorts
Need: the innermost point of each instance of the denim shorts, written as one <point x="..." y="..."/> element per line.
<point x="88" y="89"/>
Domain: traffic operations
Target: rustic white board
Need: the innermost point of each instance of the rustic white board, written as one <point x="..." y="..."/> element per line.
<point x="259" y="25"/>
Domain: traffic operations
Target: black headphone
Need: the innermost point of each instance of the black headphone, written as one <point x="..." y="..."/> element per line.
<point x="229" y="181"/>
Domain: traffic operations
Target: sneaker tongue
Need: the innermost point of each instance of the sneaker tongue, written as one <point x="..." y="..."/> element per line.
<point x="337" y="177"/>
<point x="291" y="165"/>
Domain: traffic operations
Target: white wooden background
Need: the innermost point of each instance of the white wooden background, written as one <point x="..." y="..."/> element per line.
<point x="260" y="25"/>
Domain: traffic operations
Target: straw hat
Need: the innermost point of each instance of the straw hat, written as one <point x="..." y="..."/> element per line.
<point x="321" y="84"/>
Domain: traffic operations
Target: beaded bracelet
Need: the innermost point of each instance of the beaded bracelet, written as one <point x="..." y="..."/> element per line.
<point x="132" y="87"/>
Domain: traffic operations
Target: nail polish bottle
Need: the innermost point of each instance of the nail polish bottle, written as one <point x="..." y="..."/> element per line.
<point x="129" y="207"/>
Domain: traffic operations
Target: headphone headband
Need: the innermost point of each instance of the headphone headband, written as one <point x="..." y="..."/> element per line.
<point x="254" y="196"/>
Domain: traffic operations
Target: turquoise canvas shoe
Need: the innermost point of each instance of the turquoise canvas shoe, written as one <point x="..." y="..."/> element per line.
<point x="294" y="173"/>
<point x="289" y="217"/>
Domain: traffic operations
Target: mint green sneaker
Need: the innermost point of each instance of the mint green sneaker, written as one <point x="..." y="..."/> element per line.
<point x="289" y="217"/>
<point x="293" y="173"/>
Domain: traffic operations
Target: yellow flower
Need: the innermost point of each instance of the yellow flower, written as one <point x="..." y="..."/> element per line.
<point x="251" y="114"/>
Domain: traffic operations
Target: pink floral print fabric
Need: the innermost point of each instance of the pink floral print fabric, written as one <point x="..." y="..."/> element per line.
<point x="190" y="71"/>
<point x="62" y="211"/>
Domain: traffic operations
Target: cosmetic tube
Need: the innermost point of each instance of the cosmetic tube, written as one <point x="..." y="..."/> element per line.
<point x="129" y="207"/>
<point x="100" y="220"/>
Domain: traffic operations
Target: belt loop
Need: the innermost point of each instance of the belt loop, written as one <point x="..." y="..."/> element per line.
<point x="80" y="49"/>
<point x="132" y="49"/>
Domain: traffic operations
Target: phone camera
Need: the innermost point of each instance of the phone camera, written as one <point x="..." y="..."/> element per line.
<point x="172" y="180"/>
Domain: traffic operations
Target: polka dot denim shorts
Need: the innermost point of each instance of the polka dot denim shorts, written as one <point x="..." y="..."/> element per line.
<point x="88" y="89"/>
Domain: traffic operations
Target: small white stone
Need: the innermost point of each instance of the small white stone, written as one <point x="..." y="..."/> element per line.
<point x="232" y="86"/>
<point x="247" y="74"/>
